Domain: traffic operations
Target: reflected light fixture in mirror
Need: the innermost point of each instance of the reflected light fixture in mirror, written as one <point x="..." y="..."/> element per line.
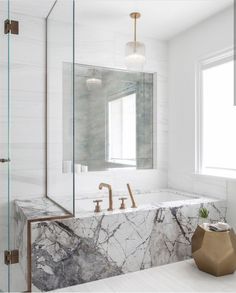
<point x="94" y="82"/>
<point x="135" y="51"/>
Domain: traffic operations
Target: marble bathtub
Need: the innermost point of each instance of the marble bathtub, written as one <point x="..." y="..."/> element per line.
<point x="91" y="246"/>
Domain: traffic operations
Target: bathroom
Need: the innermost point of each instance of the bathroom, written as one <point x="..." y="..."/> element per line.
<point x="116" y="141"/>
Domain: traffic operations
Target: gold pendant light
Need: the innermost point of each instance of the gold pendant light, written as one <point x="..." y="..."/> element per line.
<point x="135" y="51"/>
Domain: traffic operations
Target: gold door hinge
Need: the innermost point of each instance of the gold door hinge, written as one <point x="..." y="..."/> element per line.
<point x="11" y="26"/>
<point x="11" y="257"/>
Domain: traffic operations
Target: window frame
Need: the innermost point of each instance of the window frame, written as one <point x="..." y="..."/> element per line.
<point x="208" y="62"/>
<point x="110" y="99"/>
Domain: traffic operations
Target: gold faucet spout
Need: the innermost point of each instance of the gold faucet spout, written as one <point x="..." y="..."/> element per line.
<point x="108" y="186"/>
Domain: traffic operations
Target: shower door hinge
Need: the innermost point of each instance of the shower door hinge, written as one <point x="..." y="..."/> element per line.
<point x="5" y="160"/>
<point x="11" y="26"/>
<point x="11" y="257"/>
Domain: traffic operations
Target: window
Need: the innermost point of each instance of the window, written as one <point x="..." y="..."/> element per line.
<point x="122" y="130"/>
<point x="217" y="118"/>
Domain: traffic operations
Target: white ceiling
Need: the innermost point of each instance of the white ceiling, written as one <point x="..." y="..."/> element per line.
<point x="161" y="19"/>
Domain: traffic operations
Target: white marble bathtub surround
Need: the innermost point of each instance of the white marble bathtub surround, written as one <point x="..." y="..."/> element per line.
<point x="24" y="212"/>
<point x="231" y="199"/>
<point x="92" y="247"/>
<point x="39" y="208"/>
<point x="20" y="223"/>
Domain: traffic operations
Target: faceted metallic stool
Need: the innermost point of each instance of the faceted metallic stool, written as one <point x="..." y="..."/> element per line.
<point x="214" y="252"/>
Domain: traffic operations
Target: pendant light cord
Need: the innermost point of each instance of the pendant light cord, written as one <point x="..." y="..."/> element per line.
<point x="135" y="16"/>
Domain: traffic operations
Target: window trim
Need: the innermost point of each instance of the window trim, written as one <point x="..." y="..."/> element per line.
<point x="111" y="99"/>
<point x="207" y="62"/>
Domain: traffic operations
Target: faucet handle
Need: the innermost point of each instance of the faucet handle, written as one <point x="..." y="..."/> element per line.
<point x="122" y="206"/>
<point x="97" y="207"/>
<point x="131" y="197"/>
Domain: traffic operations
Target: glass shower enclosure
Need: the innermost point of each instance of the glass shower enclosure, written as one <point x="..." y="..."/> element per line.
<point x="20" y="72"/>
<point x="99" y="114"/>
<point x="60" y="182"/>
<point x="45" y="55"/>
<point x="5" y="234"/>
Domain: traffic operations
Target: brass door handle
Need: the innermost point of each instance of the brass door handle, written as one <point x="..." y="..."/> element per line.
<point x="97" y="207"/>
<point x="122" y="206"/>
<point x="4" y="160"/>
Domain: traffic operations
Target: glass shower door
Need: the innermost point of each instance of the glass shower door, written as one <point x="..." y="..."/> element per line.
<point x="4" y="148"/>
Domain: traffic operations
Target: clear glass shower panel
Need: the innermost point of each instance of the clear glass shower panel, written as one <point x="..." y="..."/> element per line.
<point x="4" y="148"/>
<point x="60" y="131"/>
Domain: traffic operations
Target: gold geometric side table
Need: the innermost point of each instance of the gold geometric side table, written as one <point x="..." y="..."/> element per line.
<point x="214" y="252"/>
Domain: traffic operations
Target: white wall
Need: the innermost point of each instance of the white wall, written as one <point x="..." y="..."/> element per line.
<point x="208" y="37"/>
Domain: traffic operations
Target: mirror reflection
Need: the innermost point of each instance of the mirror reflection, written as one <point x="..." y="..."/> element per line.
<point x="113" y="118"/>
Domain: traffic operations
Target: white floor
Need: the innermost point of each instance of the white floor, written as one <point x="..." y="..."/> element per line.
<point x="178" y="277"/>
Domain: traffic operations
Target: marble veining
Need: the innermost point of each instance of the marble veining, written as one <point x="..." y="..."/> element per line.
<point x="87" y="248"/>
<point x="20" y="223"/>
<point x="25" y="211"/>
<point x="39" y="208"/>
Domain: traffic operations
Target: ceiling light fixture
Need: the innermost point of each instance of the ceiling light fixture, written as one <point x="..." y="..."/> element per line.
<point x="135" y="51"/>
<point x="93" y="82"/>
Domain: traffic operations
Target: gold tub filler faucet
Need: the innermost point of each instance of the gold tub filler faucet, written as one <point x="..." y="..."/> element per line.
<point x="110" y="208"/>
<point x="108" y="186"/>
